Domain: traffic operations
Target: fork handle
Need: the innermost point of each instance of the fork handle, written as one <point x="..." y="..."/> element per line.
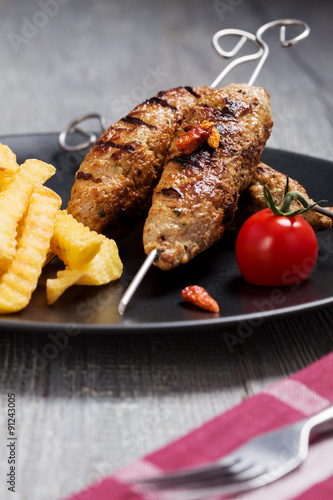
<point x="322" y="421"/>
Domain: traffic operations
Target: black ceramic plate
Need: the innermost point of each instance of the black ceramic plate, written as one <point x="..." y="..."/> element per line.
<point x="157" y="304"/>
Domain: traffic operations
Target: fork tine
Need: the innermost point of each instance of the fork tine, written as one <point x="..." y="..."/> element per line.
<point x="216" y="474"/>
<point x="208" y="487"/>
<point x="223" y="467"/>
<point x="227" y="481"/>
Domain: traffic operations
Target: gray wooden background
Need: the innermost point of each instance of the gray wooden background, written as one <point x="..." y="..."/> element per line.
<point x="62" y="58"/>
<point x="94" y="403"/>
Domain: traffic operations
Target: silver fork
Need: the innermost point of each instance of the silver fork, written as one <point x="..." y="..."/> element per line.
<point x="258" y="462"/>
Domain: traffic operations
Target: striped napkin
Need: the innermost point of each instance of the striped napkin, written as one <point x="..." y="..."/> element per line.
<point x="287" y="401"/>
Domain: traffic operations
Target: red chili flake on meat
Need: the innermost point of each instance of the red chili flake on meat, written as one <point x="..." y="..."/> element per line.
<point x="200" y="297"/>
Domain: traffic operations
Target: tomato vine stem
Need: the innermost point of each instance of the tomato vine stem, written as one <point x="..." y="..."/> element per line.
<point x="289" y="196"/>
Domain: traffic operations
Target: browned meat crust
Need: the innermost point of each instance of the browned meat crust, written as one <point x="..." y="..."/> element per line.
<point x="114" y="184"/>
<point x="253" y="199"/>
<point x="197" y="195"/>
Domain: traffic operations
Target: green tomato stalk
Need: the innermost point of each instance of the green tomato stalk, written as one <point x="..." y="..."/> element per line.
<point x="289" y="197"/>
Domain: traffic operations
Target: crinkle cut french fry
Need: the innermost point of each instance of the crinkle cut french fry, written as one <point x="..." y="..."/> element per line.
<point x="106" y="266"/>
<point x="57" y="286"/>
<point x="14" y="200"/>
<point x="20" y="280"/>
<point x="74" y="243"/>
<point x="8" y="165"/>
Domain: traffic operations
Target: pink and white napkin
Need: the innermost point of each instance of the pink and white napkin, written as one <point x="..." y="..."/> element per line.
<point x="287" y="401"/>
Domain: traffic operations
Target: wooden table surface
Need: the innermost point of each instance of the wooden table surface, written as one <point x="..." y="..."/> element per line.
<point x="102" y="401"/>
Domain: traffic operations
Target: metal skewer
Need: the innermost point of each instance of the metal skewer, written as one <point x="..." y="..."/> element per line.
<point x="283" y="42"/>
<point x="73" y="127"/>
<point x="136" y="281"/>
<point x="244" y="37"/>
<point x="262" y="53"/>
<point x="323" y="211"/>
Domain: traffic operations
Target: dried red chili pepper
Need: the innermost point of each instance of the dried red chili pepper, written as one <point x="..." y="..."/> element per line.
<point x="199" y="297"/>
<point x="193" y="138"/>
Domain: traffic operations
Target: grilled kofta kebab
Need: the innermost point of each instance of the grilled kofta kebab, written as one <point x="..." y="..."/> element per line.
<point x="197" y="195"/>
<point x="113" y="187"/>
<point x="253" y="199"/>
<point x="114" y="184"/>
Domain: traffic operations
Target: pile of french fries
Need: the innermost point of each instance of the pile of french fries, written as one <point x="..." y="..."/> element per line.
<point x="33" y="228"/>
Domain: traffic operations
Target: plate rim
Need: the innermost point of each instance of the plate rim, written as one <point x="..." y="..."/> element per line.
<point x="209" y="323"/>
<point x="178" y="325"/>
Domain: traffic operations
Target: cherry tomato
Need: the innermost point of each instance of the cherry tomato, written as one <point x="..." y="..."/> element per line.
<point x="275" y="250"/>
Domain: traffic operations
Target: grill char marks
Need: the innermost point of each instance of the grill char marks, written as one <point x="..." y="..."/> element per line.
<point x="209" y="180"/>
<point x="128" y="160"/>
<point x="88" y="177"/>
<point x="171" y="192"/>
<point x="136" y="121"/>
<point x="161" y="102"/>
<point x="104" y="146"/>
<point x="198" y="159"/>
<point x="231" y="111"/>
<point x="193" y="92"/>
